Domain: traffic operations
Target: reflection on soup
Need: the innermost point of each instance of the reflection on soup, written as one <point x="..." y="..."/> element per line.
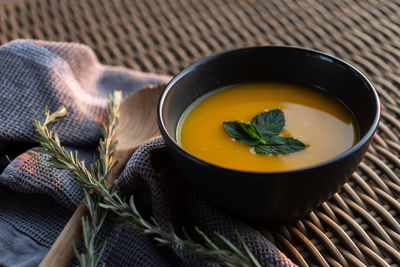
<point x="320" y="121"/>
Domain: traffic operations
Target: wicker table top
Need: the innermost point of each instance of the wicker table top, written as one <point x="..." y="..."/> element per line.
<point x="357" y="226"/>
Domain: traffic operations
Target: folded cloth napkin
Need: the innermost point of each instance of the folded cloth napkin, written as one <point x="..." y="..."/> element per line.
<point x="37" y="200"/>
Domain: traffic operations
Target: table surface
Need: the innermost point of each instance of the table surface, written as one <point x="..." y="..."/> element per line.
<point x="360" y="224"/>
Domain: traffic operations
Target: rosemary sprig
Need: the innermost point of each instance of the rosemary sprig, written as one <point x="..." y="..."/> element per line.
<point x="92" y="252"/>
<point x="91" y="255"/>
<point x="100" y="170"/>
<point x="99" y="194"/>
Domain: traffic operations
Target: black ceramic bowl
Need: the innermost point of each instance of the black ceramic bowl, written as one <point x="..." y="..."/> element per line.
<point x="271" y="197"/>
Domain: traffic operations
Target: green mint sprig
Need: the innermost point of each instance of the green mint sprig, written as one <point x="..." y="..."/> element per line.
<point x="263" y="133"/>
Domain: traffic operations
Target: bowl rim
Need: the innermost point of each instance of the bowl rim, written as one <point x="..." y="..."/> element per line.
<point x="324" y="56"/>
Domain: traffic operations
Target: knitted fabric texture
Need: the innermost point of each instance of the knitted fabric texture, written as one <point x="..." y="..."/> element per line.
<point x="36" y="200"/>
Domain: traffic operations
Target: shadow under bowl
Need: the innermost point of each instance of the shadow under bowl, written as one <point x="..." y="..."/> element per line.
<point x="269" y="197"/>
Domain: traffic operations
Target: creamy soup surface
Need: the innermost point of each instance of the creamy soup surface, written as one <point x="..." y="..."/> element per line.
<point x="320" y="121"/>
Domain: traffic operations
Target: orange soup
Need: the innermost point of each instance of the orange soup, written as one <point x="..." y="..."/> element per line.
<point x="320" y="121"/>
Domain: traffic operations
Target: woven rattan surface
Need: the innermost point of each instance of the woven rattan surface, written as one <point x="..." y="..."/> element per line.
<point x="357" y="226"/>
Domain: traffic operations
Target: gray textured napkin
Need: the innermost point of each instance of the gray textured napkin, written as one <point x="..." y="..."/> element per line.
<point x="36" y="200"/>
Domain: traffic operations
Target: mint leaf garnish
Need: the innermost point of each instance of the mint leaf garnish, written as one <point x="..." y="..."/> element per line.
<point x="252" y="131"/>
<point x="280" y="145"/>
<point x="263" y="133"/>
<point x="269" y="123"/>
<point x="243" y="132"/>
